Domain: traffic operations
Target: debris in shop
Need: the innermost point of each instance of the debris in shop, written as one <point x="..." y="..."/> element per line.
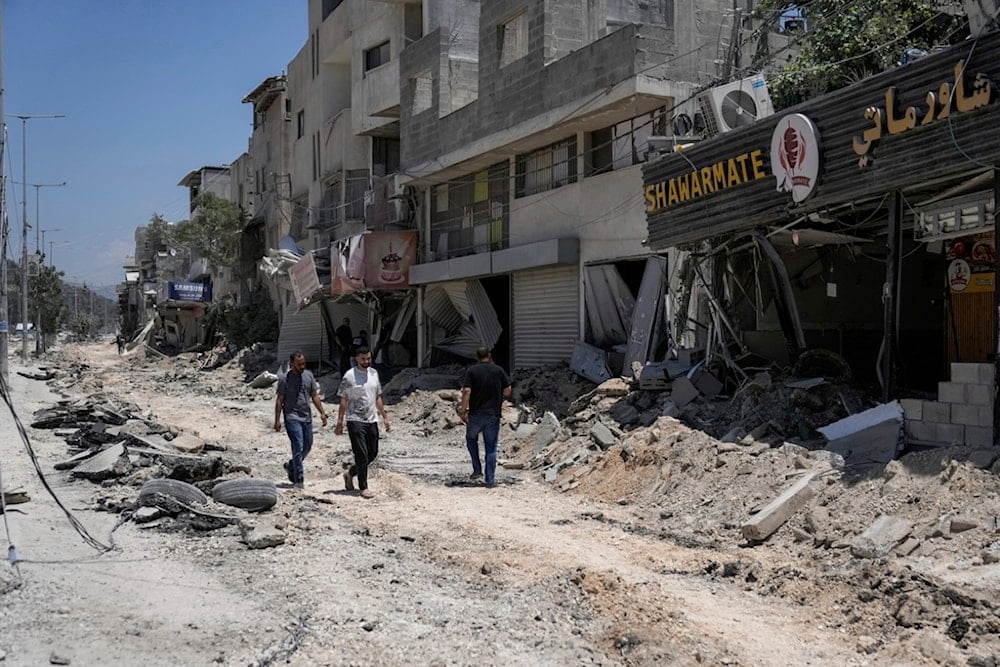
<point x="654" y="377"/>
<point x="590" y="362"/>
<point x="706" y="383"/>
<point x="764" y="522"/>
<point x="690" y="356"/>
<point x="879" y="539"/>
<point x="683" y="392"/>
<point x="867" y="438"/>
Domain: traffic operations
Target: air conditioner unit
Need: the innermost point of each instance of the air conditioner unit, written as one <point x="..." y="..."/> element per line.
<point x="735" y="105"/>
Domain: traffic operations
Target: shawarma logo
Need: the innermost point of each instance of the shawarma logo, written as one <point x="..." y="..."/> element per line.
<point x="795" y="156"/>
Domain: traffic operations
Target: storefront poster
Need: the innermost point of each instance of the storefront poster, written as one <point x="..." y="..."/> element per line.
<point x="971" y="264"/>
<point x="304" y="280"/>
<point x="388" y="257"/>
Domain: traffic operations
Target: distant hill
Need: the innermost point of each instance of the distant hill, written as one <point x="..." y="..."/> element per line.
<point x="106" y="291"/>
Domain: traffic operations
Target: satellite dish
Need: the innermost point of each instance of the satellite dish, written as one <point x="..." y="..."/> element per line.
<point x="738" y="109"/>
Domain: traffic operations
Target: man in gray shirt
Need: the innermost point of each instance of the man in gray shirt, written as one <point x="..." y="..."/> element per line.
<point x="296" y="389"/>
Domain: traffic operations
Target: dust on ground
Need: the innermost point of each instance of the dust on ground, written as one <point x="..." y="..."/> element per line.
<point x="614" y="536"/>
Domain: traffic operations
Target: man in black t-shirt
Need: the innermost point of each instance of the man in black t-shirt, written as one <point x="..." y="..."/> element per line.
<point x="483" y="389"/>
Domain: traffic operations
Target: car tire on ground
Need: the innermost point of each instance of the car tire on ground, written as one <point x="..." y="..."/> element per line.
<point x="172" y="488"/>
<point x="251" y="494"/>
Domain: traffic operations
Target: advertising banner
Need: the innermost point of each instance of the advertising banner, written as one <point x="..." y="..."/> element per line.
<point x="374" y="260"/>
<point x="185" y="291"/>
<point x="305" y="282"/>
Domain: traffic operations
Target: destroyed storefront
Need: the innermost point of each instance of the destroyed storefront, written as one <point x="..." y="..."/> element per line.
<point x="857" y="226"/>
<point x="363" y="279"/>
<point x="180" y="322"/>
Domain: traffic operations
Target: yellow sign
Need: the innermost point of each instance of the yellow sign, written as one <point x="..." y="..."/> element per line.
<point x="939" y="106"/>
<point x="743" y="168"/>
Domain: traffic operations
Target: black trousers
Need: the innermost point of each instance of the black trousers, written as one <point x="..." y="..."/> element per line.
<point x="364" y="444"/>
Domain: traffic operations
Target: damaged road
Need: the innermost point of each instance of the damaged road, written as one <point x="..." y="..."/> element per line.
<point x="617" y="535"/>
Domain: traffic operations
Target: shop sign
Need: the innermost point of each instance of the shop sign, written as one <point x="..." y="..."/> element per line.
<point x="305" y="281"/>
<point x="950" y="96"/>
<point x="186" y="291"/>
<point x="795" y="155"/>
<point x="973" y="258"/>
<point x="697" y="183"/>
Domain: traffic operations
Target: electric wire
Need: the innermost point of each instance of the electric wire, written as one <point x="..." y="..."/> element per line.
<point x="74" y="522"/>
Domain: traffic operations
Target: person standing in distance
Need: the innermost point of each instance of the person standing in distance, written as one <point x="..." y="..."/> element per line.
<point x="361" y="402"/>
<point x="296" y="388"/>
<point x="343" y="337"/>
<point x="483" y="389"/>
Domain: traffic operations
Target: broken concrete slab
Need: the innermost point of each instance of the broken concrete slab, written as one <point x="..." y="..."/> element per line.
<point x="602" y="436"/>
<point x="264" y="380"/>
<point x="683" y="392"/>
<point x="262" y="537"/>
<point x="706" y="383"/>
<point x="15" y="497"/>
<point x="590" y="362"/>
<point x="187" y="443"/>
<point x="867" y="438"/>
<point x="612" y="388"/>
<point x="112" y="462"/>
<point x="546" y="433"/>
<point x="960" y="524"/>
<point x="778" y="511"/>
<point x="881" y="537"/>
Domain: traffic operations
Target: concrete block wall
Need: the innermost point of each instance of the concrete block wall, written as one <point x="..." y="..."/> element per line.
<point x="963" y="412"/>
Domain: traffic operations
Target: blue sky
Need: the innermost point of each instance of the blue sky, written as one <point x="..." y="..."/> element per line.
<point x="150" y="90"/>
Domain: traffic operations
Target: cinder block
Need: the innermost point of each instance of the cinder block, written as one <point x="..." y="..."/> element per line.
<point x="985" y="416"/>
<point x="967" y="373"/>
<point x="936" y="412"/>
<point x="922" y="431"/>
<point x="981" y="436"/>
<point x="913" y="408"/>
<point x="952" y="392"/>
<point x="967" y="415"/>
<point x="987" y="373"/>
<point x="979" y="394"/>
<point x="949" y="433"/>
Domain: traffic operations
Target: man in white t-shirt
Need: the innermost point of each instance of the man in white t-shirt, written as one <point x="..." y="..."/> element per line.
<point x="361" y="403"/>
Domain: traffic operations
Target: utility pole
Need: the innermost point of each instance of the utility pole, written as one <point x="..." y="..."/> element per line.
<point x="4" y="228"/>
<point x="24" y="228"/>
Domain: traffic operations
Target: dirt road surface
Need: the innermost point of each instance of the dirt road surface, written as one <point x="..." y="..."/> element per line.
<point x="435" y="570"/>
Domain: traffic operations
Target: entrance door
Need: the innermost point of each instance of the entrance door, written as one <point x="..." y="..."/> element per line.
<point x="971" y="320"/>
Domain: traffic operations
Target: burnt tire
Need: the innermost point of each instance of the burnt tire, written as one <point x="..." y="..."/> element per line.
<point x="250" y="494"/>
<point x="171" y="488"/>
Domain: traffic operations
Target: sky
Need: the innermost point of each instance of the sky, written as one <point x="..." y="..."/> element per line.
<point x="150" y="91"/>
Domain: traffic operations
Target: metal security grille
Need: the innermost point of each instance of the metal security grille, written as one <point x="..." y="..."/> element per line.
<point x="546" y="322"/>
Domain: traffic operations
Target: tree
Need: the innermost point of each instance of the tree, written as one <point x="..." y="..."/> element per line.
<point x="160" y="233"/>
<point x="849" y="41"/>
<point x="46" y="294"/>
<point x="214" y="232"/>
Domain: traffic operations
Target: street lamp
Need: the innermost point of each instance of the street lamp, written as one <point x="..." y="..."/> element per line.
<point x="24" y="229"/>
<point x="49" y="256"/>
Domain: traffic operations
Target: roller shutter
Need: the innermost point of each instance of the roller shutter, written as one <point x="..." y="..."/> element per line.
<point x="546" y="321"/>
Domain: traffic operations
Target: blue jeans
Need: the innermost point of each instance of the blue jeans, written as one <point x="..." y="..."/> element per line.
<point x="489" y="425"/>
<point x="300" y="434"/>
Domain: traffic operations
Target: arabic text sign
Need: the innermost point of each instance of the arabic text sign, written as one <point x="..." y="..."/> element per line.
<point x="950" y="96"/>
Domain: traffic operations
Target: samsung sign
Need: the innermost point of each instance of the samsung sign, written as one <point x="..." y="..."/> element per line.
<point x="177" y="291"/>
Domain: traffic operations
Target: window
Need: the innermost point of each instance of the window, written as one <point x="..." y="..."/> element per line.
<point x="376" y="56"/>
<point x="316" y="165"/>
<point x="385" y="156"/>
<point x="514" y="39"/>
<point x="546" y="169"/>
<point x="300" y="124"/>
<point x="422" y="92"/>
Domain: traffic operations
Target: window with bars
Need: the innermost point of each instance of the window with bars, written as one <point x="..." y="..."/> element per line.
<point x="546" y="168"/>
<point x="623" y="144"/>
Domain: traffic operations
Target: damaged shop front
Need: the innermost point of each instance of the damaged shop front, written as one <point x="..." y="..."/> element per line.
<point x="363" y="280"/>
<point x="180" y="317"/>
<point x="853" y="234"/>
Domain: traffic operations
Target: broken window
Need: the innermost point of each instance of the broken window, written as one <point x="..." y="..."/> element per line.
<point x="514" y="39"/>
<point x="546" y="168"/>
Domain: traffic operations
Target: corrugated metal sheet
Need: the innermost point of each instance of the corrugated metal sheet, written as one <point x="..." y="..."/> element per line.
<point x="609" y="305"/>
<point x="304" y="332"/>
<point x="919" y="158"/>
<point x="546" y="318"/>
<point x="440" y="310"/>
<point x="483" y="314"/>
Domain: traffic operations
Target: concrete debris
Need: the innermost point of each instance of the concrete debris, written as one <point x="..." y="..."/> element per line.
<point x="15" y="497"/>
<point x="879" y="539"/>
<point x="602" y="435"/>
<point x="188" y="443"/>
<point x="265" y="379"/>
<point x="262" y="537"/>
<point x="869" y="437"/>
<point x="777" y="512"/>
<point x="112" y="462"/>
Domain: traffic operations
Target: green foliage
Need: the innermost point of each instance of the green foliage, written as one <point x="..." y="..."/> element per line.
<point x="850" y="41"/>
<point x="81" y="326"/>
<point x="159" y="233"/>
<point x="214" y="232"/>
<point x="248" y="324"/>
<point x="45" y="293"/>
